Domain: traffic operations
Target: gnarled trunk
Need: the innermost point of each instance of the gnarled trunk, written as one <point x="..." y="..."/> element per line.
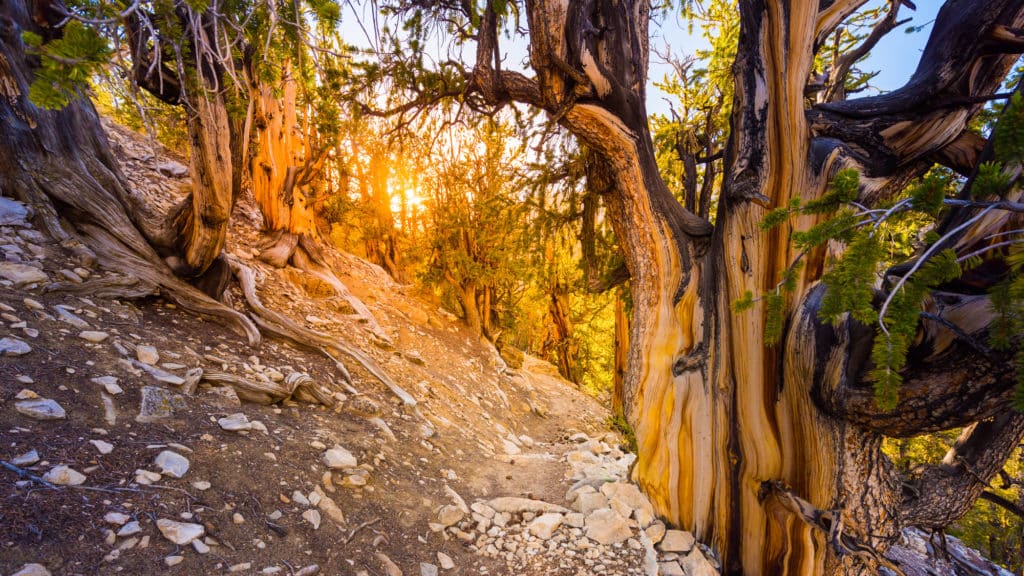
<point x="59" y="162"/>
<point x="737" y="439"/>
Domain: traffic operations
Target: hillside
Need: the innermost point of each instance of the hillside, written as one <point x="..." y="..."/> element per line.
<point x="118" y="424"/>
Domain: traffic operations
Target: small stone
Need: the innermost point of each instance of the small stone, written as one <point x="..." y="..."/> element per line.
<point x="181" y="533"/>
<point x="339" y="458"/>
<point x="145" y="477"/>
<point x="300" y="498"/>
<point x="427" y="569"/>
<point x="116" y="518"/>
<point x="130" y="529"/>
<point x="102" y="447"/>
<point x="678" y="541"/>
<point x="172" y="169"/>
<point x="158" y="403"/>
<point x="64" y="476"/>
<point x="201" y="485"/>
<point x="237" y="518"/>
<point x="94" y="336"/>
<point x="670" y="569"/>
<point x="606" y="526"/>
<point x="33" y="304"/>
<point x="200" y="546"/>
<point x="587" y="503"/>
<point x="449" y="515"/>
<point x="147" y="355"/>
<point x="236" y="422"/>
<point x="40" y="409"/>
<point x="173" y="560"/>
<point x="109" y="383"/>
<point x="656" y="531"/>
<point x="240" y="567"/>
<point x="390" y="568"/>
<point x="171" y="463"/>
<point x="26" y="394"/>
<point x="544" y="526"/>
<point x="445" y="561"/>
<point x="27" y="459"/>
<point x="32" y="569"/>
<point x="696" y="564"/>
<point x="313" y="517"/>
<point x="13" y="347"/>
<point x="22" y="274"/>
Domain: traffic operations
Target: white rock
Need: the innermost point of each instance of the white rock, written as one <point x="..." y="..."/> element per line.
<point x="14" y="347"/>
<point x="22" y="274"/>
<point x="606" y="526"/>
<point x="670" y="569"/>
<point x="201" y="485"/>
<point x="313" y="517"/>
<point x="515" y="504"/>
<point x="94" y="336"/>
<point x="445" y="561"/>
<point x="173" y="560"/>
<point x="109" y="384"/>
<point x="695" y="564"/>
<point x="64" y="476"/>
<point x="27" y="459"/>
<point x="147" y="355"/>
<point x="544" y="526"/>
<point x="300" y="498"/>
<point x="200" y="546"/>
<point x="339" y="458"/>
<point x="588" y="502"/>
<point x="181" y="533"/>
<point x="32" y="570"/>
<point x="102" y="447"/>
<point x="116" y="518"/>
<point x="678" y="541"/>
<point x="237" y="518"/>
<point x="450" y="515"/>
<point x="145" y="477"/>
<point x="427" y="569"/>
<point x="171" y="463"/>
<point x="236" y="422"/>
<point x="510" y="448"/>
<point x="130" y="529"/>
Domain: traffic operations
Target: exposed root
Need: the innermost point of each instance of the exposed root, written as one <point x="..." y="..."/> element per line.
<point x="113" y="286"/>
<point x="267" y="392"/>
<point x="279" y="325"/>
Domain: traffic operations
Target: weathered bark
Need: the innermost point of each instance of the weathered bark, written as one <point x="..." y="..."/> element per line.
<point x="60" y="163"/>
<point x="717" y="413"/>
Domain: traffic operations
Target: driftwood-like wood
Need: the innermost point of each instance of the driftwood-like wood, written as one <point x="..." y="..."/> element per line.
<point x="281" y="326"/>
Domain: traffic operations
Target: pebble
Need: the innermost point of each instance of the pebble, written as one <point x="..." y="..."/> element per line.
<point x="171" y="464"/>
<point x="339" y="458"/>
<point x="236" y="422"/>
<point x="93" y="336"/>
<point x="427" y="569"/>
<point x="201" y="485"/>
<point x="130" y="529"/>
<point x="102" y="447"/>
<point x="27" y="459"/>
<point x="181" y="533"/>
<point x="313" y="517"/>
<point x="173" y="560"/>
<point x="445" y="561"/>
<point x="116" y="518"/>
<point x="32" y="570"/>
<point x="237" y="518"/>
<point x="63" y="475"/>
<point x="109" y="383"/>
<point x="13" y="347"/>
<point x="147" y="355"/>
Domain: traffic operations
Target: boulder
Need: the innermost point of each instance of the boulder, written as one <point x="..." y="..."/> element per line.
<point x="606" y="526"/>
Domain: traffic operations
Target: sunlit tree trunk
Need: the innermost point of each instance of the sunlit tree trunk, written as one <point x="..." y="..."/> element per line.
<point x="759" y="449"/>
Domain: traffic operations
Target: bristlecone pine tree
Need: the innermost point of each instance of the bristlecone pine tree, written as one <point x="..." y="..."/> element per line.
<point x="761" y="430"/>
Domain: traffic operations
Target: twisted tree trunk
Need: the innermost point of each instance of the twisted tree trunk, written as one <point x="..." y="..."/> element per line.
<point x="59" y="162"/>
<point x="764" y="451"/>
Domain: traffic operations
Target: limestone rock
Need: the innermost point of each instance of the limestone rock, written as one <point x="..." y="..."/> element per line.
<point x="588" y="502"/>
<point x="390" y="568"/>
<point x="40" y="409"/>
<point x="27" y="459"/>
<point x="606" y="526"/>
<point x="171" y="463"/>
<point x="427" y="569"/>
<point x="236" y="422"/>
<point x="116" y="518"/>
<point x="13" y="347"/>
<point x="109" y="384"/>
<point x="158" y="403"/>
<point x="695" y="564"/>
<point x="339" y="458"/>
<point x="678" y="541"/>
<point x="102" y="447"/>
<point x="64" y="476"/>
<point x="445" y="561"/>
<point x="172" y="169"/>
<point x="22" y="274"/>
<point x="32" y="570"/>
<point x="181" y="533"/>
<point x="544" y="526"/>
<point x="671" y="568"/>
<point x="450" y="515"/>
<point x="515" y="504"/>
<point x="313" y="517"/>
<point x="94" y="336"/>
<point x="147" y="355"/>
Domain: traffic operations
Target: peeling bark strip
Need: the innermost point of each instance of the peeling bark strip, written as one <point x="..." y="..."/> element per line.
<point x="716" y="413"/>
